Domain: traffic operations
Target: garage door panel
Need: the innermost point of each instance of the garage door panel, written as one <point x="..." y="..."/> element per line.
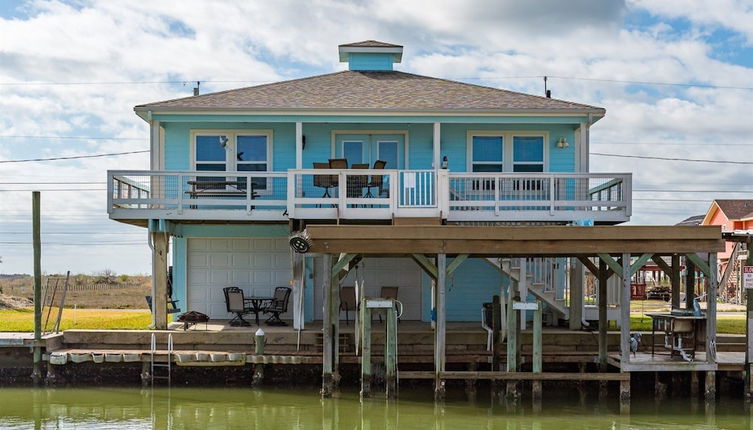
<point x="256" y="265"/>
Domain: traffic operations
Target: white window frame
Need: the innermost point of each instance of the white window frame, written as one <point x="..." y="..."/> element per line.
<point x="507" y="154"/>
<point x="231" y="150"/>
<point x="406" y="141"/>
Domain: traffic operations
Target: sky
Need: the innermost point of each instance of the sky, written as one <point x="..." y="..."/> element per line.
<point x="675" y="76"/>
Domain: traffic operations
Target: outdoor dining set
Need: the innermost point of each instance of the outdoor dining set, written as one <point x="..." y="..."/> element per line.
<point x="240" y="305"/>
<point x="355" y="184"/>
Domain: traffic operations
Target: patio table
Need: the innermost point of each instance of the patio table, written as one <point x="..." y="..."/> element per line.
<point x="257" y="304"/>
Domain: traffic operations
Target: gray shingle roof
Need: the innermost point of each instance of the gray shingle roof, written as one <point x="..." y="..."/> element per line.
<point x="736" y="209"/>
<point x="370" y="44"/>
<point x="388" y="91"/>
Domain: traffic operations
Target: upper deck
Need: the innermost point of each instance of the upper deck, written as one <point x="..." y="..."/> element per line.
<point x="368" y="195"/>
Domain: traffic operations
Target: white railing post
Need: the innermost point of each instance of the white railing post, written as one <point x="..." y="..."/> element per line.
<point x="551" y="195"/>
<point x="249" y="194"/>
<point x="394" y="186"/>
<point x="342" y="189"/>
<point x="497" y="186"/>
<point x="443" y="191"/>
<point x="291" y="193"/>
<point x="180" y="194"/>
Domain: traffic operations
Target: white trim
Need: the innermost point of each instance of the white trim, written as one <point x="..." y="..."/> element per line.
<point x="156" y="110"/>
<point x="405" y="133"/>
<point x="437" y="146"/>
<point x="507" y="141"/>
<point x="298" y="145"/>
<point x="154" y="146"/>
<point x="576" y="150"/>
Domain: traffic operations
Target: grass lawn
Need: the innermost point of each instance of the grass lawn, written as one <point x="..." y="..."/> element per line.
<point x="726" y="324"/>
<point x="23" y="319"/>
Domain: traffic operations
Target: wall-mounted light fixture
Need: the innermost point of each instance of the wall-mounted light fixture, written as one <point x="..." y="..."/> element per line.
<point x="223" y="141"/>
<point x="562" y="142"/>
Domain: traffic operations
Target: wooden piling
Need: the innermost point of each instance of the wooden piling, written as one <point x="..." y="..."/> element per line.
<point x="603" y="322"/>
<point x="36" y="374"/>
<point x="496" y="322"/>
<point x="365" y="348"/>
<point x="537" y="350"/>
<point x="390" y="353"/>
<point x="749" y="328"/>
<point x="159" y="290"/>
<point x="327" y="345"/>
<point x="674" y="279"/>
<point x="439" y="344"/>
<point x="512" y="348"/>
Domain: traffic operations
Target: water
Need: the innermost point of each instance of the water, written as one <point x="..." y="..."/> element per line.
<point x="220" y="408"/>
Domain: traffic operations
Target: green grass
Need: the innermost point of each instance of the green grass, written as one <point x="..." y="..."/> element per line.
<point x="725" y="324"/>
<point x="22" y="320"/>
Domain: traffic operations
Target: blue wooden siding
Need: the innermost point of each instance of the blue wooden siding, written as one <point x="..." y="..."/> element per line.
<point x="370" y="61"/>
<point x="471" y="285"/>
<point x="319" y="142"/>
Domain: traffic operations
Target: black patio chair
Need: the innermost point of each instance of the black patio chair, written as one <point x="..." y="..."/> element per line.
<point x="236" y="303"/>
<point x="172" y="305"/>
<point x="278" y="305"/>
<point x="348" y="301"/>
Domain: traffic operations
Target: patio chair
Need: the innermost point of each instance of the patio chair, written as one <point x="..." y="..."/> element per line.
<point x="348" y="301"/>
<point x="388" y="293"/>
<point x="278" y="305"/>
<point x="236" y="304"/>
<point x="376" y="181"/>
<point x="356" y="183"/>
<point x="324" y="181"/>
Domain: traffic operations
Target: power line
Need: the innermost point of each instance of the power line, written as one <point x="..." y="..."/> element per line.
<point x="677" y="84"/>
<point x="648" y="157"/>
<point x="74" y="157"/>
<point x="71" y="137"/>
<point x="671" y="143"/>
<point x="53" y="183"/>
<point x="56" y="189"/>
<point x="74" y="232"/>
<point x="650" y="190"/>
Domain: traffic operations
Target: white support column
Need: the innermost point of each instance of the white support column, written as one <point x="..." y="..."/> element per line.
<point x="299" y="145"/>
<point x="155" y="150"/>
<point x="436" y="146"/>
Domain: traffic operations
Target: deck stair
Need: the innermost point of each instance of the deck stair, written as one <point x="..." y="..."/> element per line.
<point x="541" y="276"/>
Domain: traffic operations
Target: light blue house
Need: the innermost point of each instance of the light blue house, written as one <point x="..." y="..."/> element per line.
<point x="234" y="173"/>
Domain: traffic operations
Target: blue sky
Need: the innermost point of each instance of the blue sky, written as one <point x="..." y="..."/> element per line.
<point x="674" y="76"/>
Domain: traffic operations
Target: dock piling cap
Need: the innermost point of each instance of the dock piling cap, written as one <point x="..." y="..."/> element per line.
<point x="259" y="332"/>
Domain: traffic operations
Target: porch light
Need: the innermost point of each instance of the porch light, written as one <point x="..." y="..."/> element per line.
<point x="562" y="142"/>
<point x="223" y="141"/>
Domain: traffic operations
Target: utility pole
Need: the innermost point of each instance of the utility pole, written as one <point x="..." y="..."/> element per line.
<point x="36" y="374"/>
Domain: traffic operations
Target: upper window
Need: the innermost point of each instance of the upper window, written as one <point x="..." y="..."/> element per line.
<point x="234" y="151"/>
<point x="506" y="152"/>
<point x="488" y="153"/>
<point x="528" y="154"/>
<point x="353" y="151"/>
<point x="387" y="152"/>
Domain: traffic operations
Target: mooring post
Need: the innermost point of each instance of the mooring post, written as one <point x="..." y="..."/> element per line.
<point x="603" y="321"/>
<point x="260" y="341"/>
<point x="625" y="325"/>
<point x="537" y="349"/>
<point x="496" y="323"/>
<point x="710" y="386"/>
<point x="441" y="330"/>
<point x="365" y="348"/>
<point x="512" y="348"/>
<point x="390" y="356"/>
<point x="327" y="346"/>
<point x="36" y="374"/>
<point x="749" y="327"/>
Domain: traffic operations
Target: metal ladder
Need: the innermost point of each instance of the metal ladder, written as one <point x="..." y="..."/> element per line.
<point x="167" y="366"/>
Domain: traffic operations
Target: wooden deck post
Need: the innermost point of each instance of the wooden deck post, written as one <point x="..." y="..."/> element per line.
<point x="496" y="322"/>
<point x="576" y="294"/>
<point x="674" y="279"/>
<point x="711" y="310"/>
<point x="159" y="267"/>
<point x="327" y="344"/>
<point x="36" y="374"/>
<point x="537" y="350"/>
<point x="440" y="332"/>
<point x="603" y="322"/>
<point x="365" y="329"/>
<point x="390" y="353"/>
<point x="710" y="386"/>
<point x="512" y="347"/>
<point x="749" y="327"/>
<point x="523" y="290"/>
<point x="689" y="283"/>
<point x="625" y="325"/>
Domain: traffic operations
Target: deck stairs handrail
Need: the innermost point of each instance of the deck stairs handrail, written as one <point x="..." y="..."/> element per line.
<point x="542" y="278"/>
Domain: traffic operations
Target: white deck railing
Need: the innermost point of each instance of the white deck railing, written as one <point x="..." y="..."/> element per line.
<point x="539" y="197"/>
<point x="368" y="194"/>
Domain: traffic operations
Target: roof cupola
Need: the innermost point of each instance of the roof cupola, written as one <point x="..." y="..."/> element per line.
<point x="370" y="55"/>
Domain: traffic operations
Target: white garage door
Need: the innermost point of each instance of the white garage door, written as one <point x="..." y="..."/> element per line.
<point x="256" y="265"/>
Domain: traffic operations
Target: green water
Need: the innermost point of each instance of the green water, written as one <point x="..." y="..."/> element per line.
<point x="217" y="408"/>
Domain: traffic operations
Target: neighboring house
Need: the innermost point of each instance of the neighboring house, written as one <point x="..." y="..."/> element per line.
<point x="733" y="216"/>
<point x="233" y="174"/>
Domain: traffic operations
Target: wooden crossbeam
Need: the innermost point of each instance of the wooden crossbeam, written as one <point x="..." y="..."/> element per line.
<point x="426" y="265"/>
<point x="699" y="263"/>
<point x="662" y="264"/>
<point x="545" y="376"/>
<point x="611" y="262"/>
<point x="642" y="260"/>
<point x="342" y="263"/>
<point x="589" y="265"/>
<point x="456" y="262"/>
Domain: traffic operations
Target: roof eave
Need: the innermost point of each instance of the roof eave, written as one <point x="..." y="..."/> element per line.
<point x="598" y="113"/>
